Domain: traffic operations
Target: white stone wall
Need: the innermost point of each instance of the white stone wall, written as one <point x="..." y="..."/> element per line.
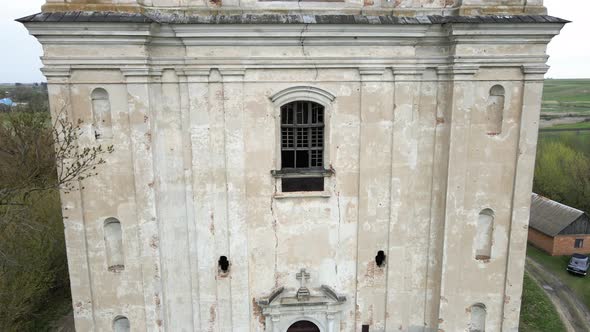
<point x="195" y="134"/>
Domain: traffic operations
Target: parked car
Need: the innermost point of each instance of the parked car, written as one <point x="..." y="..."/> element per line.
<point x="579" y="264"/>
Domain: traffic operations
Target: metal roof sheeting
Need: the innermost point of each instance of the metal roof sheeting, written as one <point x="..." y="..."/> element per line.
<point x="551" y="217"/>
<point x="175" y="18"/>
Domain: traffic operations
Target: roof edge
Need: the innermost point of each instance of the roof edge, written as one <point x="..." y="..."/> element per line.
<point x="169" y="18"/>
<point x="558" y="203"/>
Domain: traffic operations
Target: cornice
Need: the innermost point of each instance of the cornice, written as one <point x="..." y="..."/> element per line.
<point x="370" y="74"/>
<point x="265" y="34"/>
<point x="200" y="66"/>
<point x="93" y="34"/>
<point x="505" y="33"/>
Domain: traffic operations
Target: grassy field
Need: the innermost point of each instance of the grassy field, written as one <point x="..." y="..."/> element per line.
<point x="557" y="265"/>
<point x="579" y="125"/>
<point x="565" y="96"/>
<point x="537" y="313"/>
<point x="579" y="141"/>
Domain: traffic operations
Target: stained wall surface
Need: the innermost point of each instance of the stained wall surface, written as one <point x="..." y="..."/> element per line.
<point x="195" y="128"/>
<point x="397" y="7"/>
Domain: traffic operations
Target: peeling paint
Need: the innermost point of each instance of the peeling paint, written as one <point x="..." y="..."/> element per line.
<point x="405" y="183"/>
<point x="257" y="312"/>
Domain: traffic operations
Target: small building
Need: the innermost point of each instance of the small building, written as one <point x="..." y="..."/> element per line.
<point x="558" y="229"/>
<point x="6" y="101"/>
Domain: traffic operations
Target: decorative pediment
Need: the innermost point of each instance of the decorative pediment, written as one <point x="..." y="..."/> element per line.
<point x="322" y="296"/>
<point x="283" y="307"/>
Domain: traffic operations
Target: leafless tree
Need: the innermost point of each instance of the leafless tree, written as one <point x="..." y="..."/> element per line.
<point x="37" y="156"/>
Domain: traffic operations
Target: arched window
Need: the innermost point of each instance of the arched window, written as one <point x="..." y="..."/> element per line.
<point x="495" y="110"/>
<point x="113" y="240"/>
<point x="302" y="146"/>
<point x="101" y="111"/>
<point x="483" y="237"/>
<point x="478" y="318"/>
<point x="121" y="324"/>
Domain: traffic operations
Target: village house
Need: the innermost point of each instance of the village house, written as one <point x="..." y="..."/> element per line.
<point x="283" y="166"/>
<point x="558" y="229"/>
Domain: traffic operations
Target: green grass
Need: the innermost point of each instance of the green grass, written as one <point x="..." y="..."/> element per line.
<point x="579" y="125"/>
<point x="557" y="265"/>
<point x="567" y="90"/>
<point x="566" y="96"/>
<point x="537" y="313"/>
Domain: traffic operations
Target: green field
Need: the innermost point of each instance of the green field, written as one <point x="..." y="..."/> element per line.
<point x="537" y="313"/>
<point x="577" y="140"/>
<point x="566" y="96"/>
<point x="579" y="125"/>
<point x="557" y="265"/>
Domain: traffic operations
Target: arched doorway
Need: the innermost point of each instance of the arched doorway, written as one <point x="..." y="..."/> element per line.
<point x="303" y="326"/>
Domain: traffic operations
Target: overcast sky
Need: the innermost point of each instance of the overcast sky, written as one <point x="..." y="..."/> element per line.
<point x="19" y="57"/>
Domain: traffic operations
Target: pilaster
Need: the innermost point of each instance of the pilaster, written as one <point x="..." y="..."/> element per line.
<point x="73" y="211"/>
<point x="376" y="118"/>
<point x="525" y="166"/>
<point x="141" y="124"/>
<point x="221" y="311"/>
<point x="451" y="311"/>
<point x="171" y="202"/>
<point x="235" y="150"/>
<point x="406" y="285"/>
<point x="203" y="192"/>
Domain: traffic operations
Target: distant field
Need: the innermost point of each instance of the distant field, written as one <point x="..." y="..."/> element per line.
<point x="566" y="96"/>
<point x="579" y="125"/>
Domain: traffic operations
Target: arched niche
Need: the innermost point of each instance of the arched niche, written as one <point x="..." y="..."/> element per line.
<point x="478" y="318"/>
<point x="113" y="239"/>
<point x="121" y="324"/>
<point x="303" y="326"/>
<point x="483" y="236"/>
<point x="101" y="112"/>
<point x="495" y="110"/>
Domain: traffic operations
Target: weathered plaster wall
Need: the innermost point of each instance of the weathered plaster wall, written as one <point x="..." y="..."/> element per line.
<point x="195" y="135"/>
<point x="397" y="7"/>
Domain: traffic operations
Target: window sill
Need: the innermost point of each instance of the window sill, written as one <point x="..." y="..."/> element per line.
<point x="301" y="173"/>
<point x="303" y="194"/>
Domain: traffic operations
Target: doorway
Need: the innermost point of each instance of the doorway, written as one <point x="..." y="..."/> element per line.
<point x="303" y="326"/>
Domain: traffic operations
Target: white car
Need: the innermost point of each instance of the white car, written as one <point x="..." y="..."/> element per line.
<point x="579" y="264"/>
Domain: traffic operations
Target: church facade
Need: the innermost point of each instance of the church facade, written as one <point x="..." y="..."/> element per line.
<point x="299" y="165"/>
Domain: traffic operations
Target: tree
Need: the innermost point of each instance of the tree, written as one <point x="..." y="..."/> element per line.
<point x="563" y="174"/>
<point x="37" y="159"/>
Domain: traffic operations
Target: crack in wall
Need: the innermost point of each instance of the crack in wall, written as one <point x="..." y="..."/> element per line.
<point x="338" y="205"/>
<point x="302" y="43"/>
<point x="274" y="228"/>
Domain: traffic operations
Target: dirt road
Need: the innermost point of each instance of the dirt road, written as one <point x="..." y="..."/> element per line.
<point x="572" y="311"/>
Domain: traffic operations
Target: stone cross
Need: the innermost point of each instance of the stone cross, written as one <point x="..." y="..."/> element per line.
<point x="302" y="276"/>
<point x="303" y="293"/>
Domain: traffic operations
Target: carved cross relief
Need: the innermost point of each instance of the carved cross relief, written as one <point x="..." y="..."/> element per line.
<point x="302" y="292"/>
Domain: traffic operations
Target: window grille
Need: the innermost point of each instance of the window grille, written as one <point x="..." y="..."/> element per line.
<point x="302" y="146"/>
<point x="302" y="135"/>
